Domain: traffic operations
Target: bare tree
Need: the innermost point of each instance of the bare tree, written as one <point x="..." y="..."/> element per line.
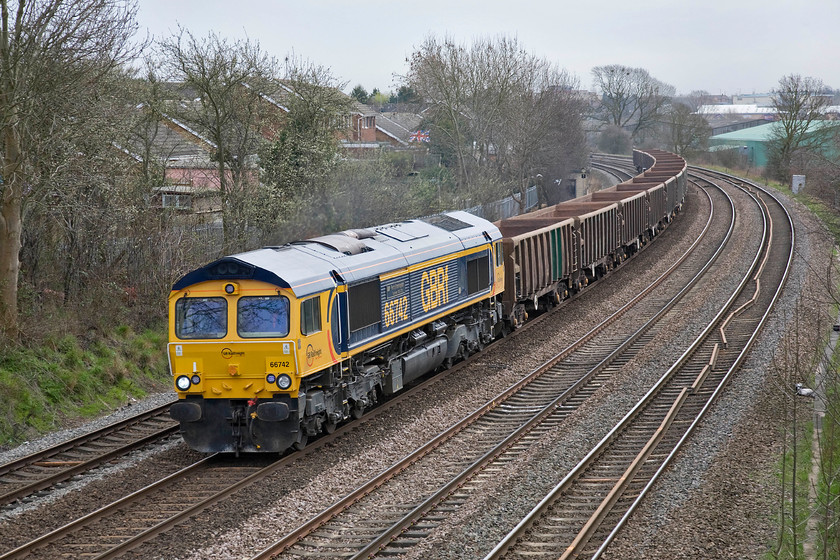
<point x="52" y="53"/>
<point x="439" y="74"/>
<point x="224" y="85"/>
<point x="825" y="173"/>
<point x="697" y="99"/>
<point x="541" y="138"/>
<point x="798" y="136"/>
<point x="499" y="111"/>
<point x="687" y="133"/>
<point x="630" y="97"/>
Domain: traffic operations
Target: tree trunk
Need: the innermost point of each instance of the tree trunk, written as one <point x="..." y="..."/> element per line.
<point x="10" y="236"/>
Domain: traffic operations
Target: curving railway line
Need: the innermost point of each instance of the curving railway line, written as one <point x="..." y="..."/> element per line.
<point x="423" y="492"/>
<point x="504" y="429"/>
<point x="322" y="540"/>
<point x="579" y="517"/>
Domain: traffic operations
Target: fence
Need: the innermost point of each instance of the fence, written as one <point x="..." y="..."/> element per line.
<point x="505" y="208"/>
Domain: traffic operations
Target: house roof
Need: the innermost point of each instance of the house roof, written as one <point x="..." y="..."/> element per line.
<point x="168" y="140"/>
<point x="735" y="110"/>
<point x="398" y="125"/>
<point x="362" y="109"/>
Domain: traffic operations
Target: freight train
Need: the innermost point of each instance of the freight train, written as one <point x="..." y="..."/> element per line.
<point x="270" y="347"/>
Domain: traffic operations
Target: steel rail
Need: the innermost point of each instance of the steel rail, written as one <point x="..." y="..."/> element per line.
<point x="307" y="528"/>
<point x="80" y="440"/>
<point x="52" y="536"/>
<point x="690" y="430"/>
<point x="75" y="468"/>
<point x="583" y="536"/>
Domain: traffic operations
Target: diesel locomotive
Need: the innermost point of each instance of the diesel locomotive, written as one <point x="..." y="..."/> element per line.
<point x="270" y="347"/>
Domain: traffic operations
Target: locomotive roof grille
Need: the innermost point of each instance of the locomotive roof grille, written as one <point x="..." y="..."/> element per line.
<point x="446" y="222"/>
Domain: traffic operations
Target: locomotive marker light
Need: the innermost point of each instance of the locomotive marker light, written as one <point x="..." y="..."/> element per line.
<point x="196" y="380"/>
<point x="183" y="383"/>
<point x="271" y="378"/>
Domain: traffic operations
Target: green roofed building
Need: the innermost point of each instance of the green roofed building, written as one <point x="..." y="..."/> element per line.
<point x="752" y="142"/>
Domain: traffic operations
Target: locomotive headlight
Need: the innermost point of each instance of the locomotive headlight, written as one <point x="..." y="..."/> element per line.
<point x="182" y="383"/>
<point x="284" y="381"/>
<point x="231" y="288"/>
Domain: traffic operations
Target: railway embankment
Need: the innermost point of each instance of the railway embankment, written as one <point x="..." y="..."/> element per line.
<point x="63" y="382"/>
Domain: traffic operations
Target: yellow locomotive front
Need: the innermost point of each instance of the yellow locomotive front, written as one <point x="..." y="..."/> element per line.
<point x="235" y="353"/>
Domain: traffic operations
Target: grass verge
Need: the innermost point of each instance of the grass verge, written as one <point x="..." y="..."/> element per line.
<point x="61" y="381"/>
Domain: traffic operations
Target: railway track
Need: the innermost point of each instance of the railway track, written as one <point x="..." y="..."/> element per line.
<point x="38" y="471"/>
<point x="407" y="524"/>
<point x="128" y="522"/>
<point x="583" y="513"/>
<point x="503" y="430"/>
<point x="614" y="166"/>
<point x="81" y="534"/>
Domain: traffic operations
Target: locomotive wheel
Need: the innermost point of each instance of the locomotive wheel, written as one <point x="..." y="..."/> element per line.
<point x="329" y="427"/>
<point x="358" y="410"/>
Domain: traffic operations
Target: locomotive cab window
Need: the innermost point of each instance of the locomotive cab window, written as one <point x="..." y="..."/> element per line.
<point x="200" y="317"/>
<point x="262" y="316"/>
<point x="310" y="316"/>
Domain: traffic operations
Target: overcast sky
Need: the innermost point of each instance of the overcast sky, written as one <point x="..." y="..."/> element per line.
<point x="721" y="46"/>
